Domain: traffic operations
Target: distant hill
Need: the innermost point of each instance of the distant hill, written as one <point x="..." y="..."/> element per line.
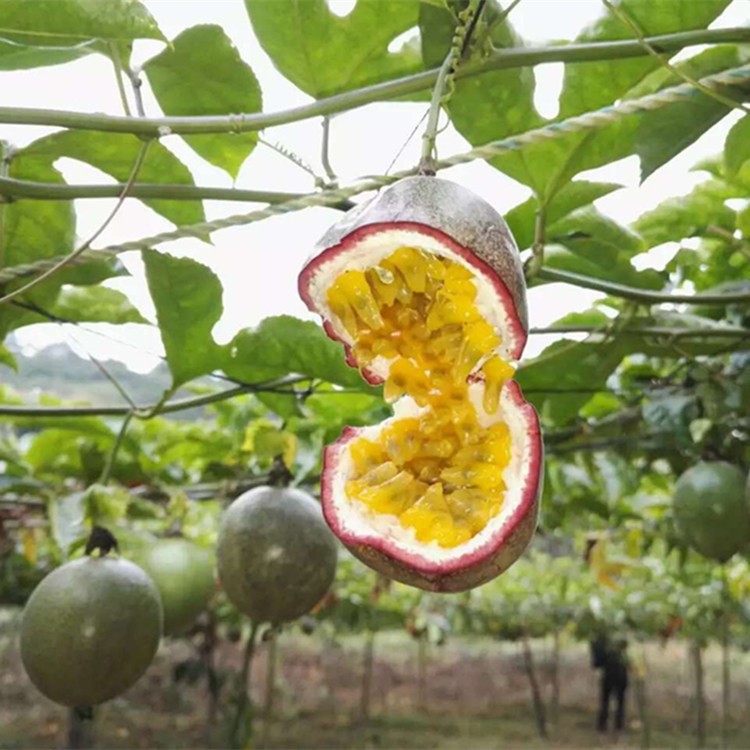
<point x="59" y="371"/>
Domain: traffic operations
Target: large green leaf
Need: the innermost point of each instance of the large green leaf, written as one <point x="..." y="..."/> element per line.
<point x="323" y="54"/>
<point x="590" y="243"/>
<point x="33" y="230"/>
<point x="560" y="381"/>
<point x="737" y="146"/>
<point x="97" y="304"/>
<point x="6" y="358"/>
<point x="665" y="132"/>
<point x="115" y="154"/>
<point x="283" y="344"/>
<point x="201" y="73"/>
<point x="19" y="53"/>
<point x="688" y="216"/>
<point x="188" y="300"/>
<point x="69" y="21"/>
<point x="36" y="229"/>
<point x="521" y="219"/>
<point x="547" y="167"/>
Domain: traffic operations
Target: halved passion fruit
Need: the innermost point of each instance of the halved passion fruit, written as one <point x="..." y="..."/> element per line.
<point x="424" y="286"/>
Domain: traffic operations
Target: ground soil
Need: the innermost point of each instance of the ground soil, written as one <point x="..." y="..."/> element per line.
<point x="476" y="696"/>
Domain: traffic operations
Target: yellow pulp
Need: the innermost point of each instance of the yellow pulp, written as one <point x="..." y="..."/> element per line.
<point x="440" y="473"/>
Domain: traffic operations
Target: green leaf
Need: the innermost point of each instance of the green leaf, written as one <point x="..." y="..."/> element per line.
<point x="522" y="218"/>
<point x="19" y="52"/>
<point x="66" y="516"/>
<point x="7" y="358"/>
<point x="589" y="243"/>
<point x="546" y="167"/>
<point x="33" y="230"/>
<point x="69" y="21"/>
<point x="188" y="300"/>
<point x="97" y="304"/>
<point x="201" y="73"/>
<point x="282" y="345"/>
<point x="665" y="132"/>
<point x="737" y="146"/>
<point x="36" y="229"/>
<point x="334" y="410"/>
<point x="284" y="405"/>
<point x="689" y="215"/>
<point x="323" y="54"/>
<point x="560" y="380"/>
<point x="115" y="154"/>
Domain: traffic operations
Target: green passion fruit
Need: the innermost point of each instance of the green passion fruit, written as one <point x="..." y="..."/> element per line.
<point x="184" y="574"/>
<point x="276" y="556"/>
<point x="90" y="630"/>
<point x="712" y="509"/>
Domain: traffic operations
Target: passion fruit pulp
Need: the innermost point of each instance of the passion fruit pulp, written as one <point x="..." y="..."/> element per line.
<point x="424" y="287"/>
<point x="276" y="556"/>
<point x="90" y="630"/>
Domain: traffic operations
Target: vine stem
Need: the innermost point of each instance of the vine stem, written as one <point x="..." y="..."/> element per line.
<point x="12" y="189"/>
<point x="5" y="157"/>
<point x="440" y="93"/>
<point x="577" y="124"/>
<point x="672" y="333"/>
<point x="325" y="157"/>
<point x="114" y="56"/>
<point x="68" y="259"/>
<point x="500" y="60"/>
<point x="640" y="295"/>
<point x="9" y="410"/>
<point x="244" y="702"/>
<point x="112" y="457"/>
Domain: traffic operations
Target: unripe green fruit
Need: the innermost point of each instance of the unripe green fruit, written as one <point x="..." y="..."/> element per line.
<point x="90" y="630"/>
<point x="276" y="555"/>
<point x="184" y="574"/>
<point x="711" y="509"/>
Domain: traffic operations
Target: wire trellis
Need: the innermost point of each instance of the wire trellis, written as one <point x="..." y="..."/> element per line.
<point x="588" y="121"/>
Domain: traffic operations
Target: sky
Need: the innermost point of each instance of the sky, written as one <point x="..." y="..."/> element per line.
<point x="258" y="264"/>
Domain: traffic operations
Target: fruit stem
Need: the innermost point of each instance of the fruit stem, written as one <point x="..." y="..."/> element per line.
<point x="279" y="475"/>
<point x="443" y="88"/>
<point x="242" y="726"/>
<point x="81" y="728"/>
<point x="101" y="539"/>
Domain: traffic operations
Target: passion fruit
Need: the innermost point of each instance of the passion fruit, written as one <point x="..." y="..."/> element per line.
<point x="90" y="630"/>
<point x="712" y="509"/>
<point x="424" y="287"/>
<point x="276" y="556"/>
<point x="184" y="574"/>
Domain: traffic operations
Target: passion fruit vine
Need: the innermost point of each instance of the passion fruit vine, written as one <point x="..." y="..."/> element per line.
<point x="276" y="556"/>
<point x="424" y="287"/>
<point x="90" y="630"/>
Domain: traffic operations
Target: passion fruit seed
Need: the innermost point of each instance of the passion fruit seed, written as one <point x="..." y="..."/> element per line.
<point x="184" y="574"/>
<point x="276" y="556"/>
<point x="90" y="630"/>
<point x="712" y="509"/>
<point x="432" y="304"/>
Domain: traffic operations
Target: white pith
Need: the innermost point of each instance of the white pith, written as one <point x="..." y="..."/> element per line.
<point x="370" y="250"/>
<point x="359" y="520"/>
